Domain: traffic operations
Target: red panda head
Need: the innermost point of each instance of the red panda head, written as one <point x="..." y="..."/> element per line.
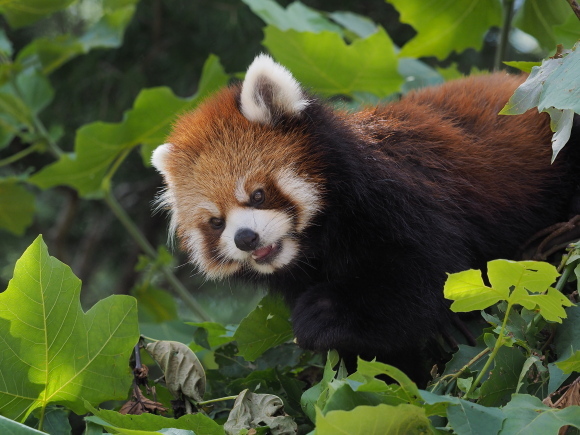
<point x="241" y="190"/>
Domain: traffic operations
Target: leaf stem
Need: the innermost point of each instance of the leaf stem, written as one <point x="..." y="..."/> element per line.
<point x="462" y="369"/>
<point x="498" y="345"/>
<point x="221" y="399"/>
<point x="144" y="244"/>
<point x="508" y="15"/>
<point x="19" y="155"/>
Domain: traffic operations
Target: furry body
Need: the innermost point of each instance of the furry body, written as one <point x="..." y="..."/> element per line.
<point x="356" y="218"/>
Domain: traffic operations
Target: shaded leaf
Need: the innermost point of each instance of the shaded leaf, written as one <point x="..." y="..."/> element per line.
<point x="17" y="206"/>
<point x="53" y="352"/>
<point x="324" y="62"/>
<point x="541" y="19"/>
<point x="24" y="12"/>
<point x="12" y="427"/>
<point x="504" y="377"/>
<point x="523" y="66"/>
<point x="266" y="326"/>
<point x="528" y="415"/>
<point x="257" y="410"/>
<point x="447" y="25"/>
<point x="555" y="85"/>
<point x="184" y="374"/>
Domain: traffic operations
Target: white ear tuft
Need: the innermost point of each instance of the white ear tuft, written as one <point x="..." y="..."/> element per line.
<point x="159" y="157"/>
<point x="270" y="90"/>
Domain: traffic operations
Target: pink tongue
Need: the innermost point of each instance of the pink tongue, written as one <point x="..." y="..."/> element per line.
<point x="262" y="252"/>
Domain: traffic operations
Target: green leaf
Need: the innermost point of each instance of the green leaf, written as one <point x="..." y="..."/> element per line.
<point x="468" y="418"/>
<point x="21" y="13"/>
<point x="296" y="16"/>
<point x="375" y="420"/>
<point x="53" y="352"/>
<point x="470" y="293"/>
<point x="12" y="427"/>
<point x="523" y="66"/>
<point x="447" y="25"/>
<point x="198" y="423"/>
<point x="325" y="63"/>
<point x="155" y="304"/>
<point x="504" y="377"/>
<point x="98" y="145"/>
<point x="571" y="364"/>
<point x="265" y="327"/>
<point x="567" y="342"/>
<point x="217" y="334"/>
<point x="540" y="19"/>
<point x="528" y="415"/>
<point x="555" y="85"/>
<point x="568" y="32"/>
<point x="360" y="25"/>
<point x="315" y="397"/>
<point x="49" y="53"/>
<point x="17" y="206"/>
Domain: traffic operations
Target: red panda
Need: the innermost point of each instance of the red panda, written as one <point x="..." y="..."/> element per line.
<point x="355" y="218"/>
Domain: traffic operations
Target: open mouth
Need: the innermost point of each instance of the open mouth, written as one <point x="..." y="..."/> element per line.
<point x="266" y="253"/>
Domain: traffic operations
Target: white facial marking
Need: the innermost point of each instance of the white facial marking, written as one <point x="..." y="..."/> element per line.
<point x="302" y="192"/>
<point x="240" y="192"/>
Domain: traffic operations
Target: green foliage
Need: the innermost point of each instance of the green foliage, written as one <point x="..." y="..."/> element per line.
<point x="54" y="353"/>
<point x="55" y="358"/>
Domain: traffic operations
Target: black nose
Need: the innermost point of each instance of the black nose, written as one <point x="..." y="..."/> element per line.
<point x="246" y="239"/>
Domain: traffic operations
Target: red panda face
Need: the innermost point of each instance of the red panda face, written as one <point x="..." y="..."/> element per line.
<point x="241" y="192"/>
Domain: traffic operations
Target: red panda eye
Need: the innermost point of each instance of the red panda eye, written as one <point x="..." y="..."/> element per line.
<point x="257" y="197"/>
<point x="216" y="223"/>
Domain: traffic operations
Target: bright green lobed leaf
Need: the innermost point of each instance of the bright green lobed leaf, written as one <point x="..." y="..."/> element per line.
<point x="469" y="292"/>
<point x="99" y="144"/>
<point x="542" y="20"/>
<point x="20" y="13"/>
<point x="528" y="415"/>
<point x="265" y="327"/>
<point x="198" y="423"/>
<point x="51" y="351"/>
<point x="375" y="420"/>
<point x="296" y="16"/>
<point x="447" y="25"/>
<point x="534" y="276"/>
<point x="17" y="206"/>
<point x="329" y="66"/>
<point x="571" y="364"/>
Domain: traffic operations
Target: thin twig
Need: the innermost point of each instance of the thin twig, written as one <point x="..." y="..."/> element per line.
<point x="575" y="7"/>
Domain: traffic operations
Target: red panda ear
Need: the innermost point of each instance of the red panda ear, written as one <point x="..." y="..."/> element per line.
<point x="159" y="158"/>
<point x="269" y="90"/>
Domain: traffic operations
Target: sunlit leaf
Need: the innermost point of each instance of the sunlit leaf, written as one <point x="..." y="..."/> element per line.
<point x="447" y="25"/>
<point x="571" y="364"/>
<point x="51" y="351"/>
<point x="375" y="420"/>
<point x="16" y="206"/>
<point x="469" y="292"/>
<point x="99" y="144"/>
<point x="330" y="66"/>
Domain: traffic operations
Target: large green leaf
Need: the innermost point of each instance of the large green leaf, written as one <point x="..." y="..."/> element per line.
<point x="265" y="327"/>
<point x="99" y="144"/>
<point x="544" y="21"/>
<point x="447" y="25"/>
<point x="16" y="206"/>
<point x="324" y="62"/>
<point x="20" y="13"/>
<point x="53" y="352"/>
